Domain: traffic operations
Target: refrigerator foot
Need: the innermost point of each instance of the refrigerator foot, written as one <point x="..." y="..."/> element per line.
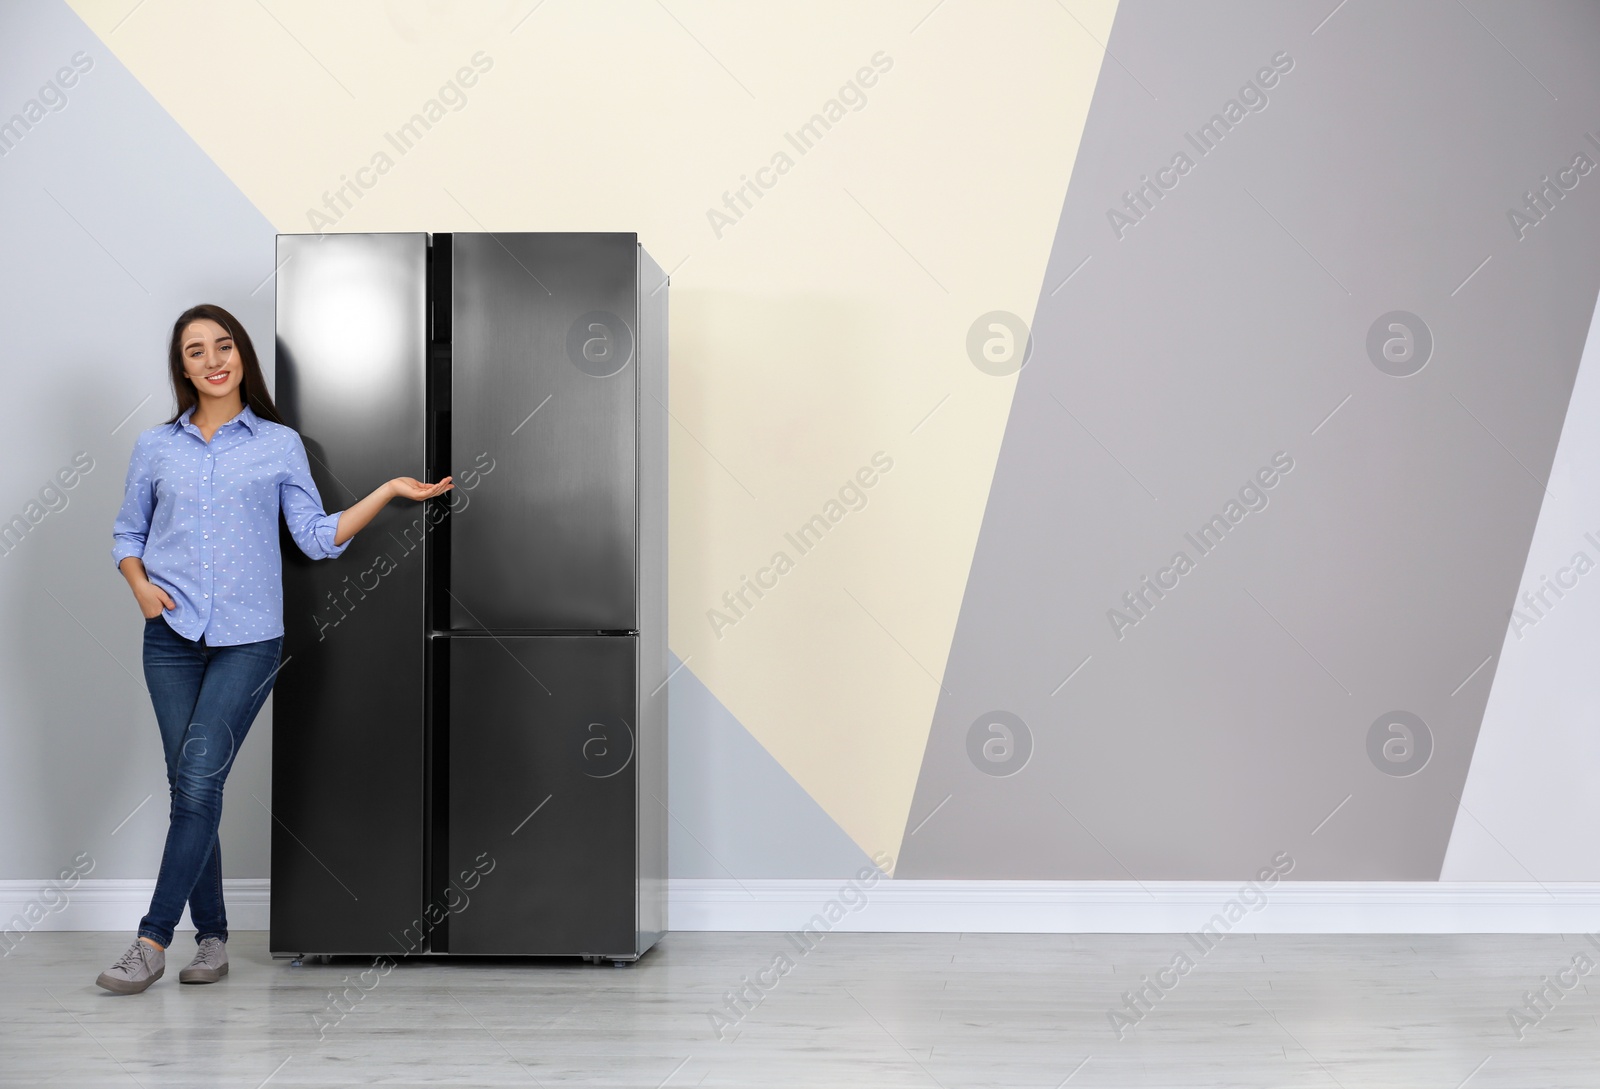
<point x="621" y="963"/>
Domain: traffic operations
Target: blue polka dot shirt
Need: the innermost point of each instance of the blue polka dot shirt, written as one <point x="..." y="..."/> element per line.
<point x="204" y="518"/>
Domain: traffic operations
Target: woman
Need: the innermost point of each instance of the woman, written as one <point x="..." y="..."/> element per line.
<point x="197" y="540"/>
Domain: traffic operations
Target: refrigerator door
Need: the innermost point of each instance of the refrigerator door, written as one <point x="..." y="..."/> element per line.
<point x="348" y="700"/>
<point x="544" y="393"/>
<point x="542" y="768"/>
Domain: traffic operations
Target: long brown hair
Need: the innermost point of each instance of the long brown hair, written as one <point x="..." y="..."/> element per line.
<point x="252" y="387"/>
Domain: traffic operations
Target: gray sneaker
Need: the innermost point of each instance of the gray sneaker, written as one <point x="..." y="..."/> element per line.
<point x="139" y="967"/>
<point x="210" y="963"/>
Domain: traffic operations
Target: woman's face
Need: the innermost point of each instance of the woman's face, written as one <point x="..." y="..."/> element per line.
<point x="210" y="360"/>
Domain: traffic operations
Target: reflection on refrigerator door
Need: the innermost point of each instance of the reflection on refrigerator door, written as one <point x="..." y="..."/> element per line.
<point x="347" y="782"/>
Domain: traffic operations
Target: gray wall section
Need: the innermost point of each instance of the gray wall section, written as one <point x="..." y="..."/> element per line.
<point x="736" y="813"/>
<point x="114" y="221"/>
<point x="1225" y="326"/>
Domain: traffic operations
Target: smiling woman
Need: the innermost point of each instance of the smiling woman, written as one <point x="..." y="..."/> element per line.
<point x="197" y="539"/>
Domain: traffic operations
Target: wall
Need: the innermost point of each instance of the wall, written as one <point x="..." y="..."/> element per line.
<point x="1059" y="303"/>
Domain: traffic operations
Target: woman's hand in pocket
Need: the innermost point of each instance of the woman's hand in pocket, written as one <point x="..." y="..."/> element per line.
<point x="153" y="600"/>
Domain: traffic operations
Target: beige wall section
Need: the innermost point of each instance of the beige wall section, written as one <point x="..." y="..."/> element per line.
<point x="822" y="326"/>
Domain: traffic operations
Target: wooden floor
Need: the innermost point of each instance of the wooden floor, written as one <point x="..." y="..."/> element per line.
<point x="924" y="1010"/>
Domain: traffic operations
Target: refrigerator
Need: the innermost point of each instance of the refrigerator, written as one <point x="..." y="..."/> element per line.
<point x="469" y="722"/>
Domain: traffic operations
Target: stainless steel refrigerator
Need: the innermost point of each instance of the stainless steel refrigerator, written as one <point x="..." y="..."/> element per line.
<point x="469" y="725"/>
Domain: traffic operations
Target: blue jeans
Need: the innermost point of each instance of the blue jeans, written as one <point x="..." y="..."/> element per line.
<point x="205" y="700"/>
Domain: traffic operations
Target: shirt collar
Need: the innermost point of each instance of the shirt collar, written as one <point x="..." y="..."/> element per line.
<point x="245" y="416"/>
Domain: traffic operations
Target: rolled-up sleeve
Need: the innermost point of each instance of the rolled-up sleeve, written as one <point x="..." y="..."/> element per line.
<point x="311" y="528"/>
<point x="132" y="525"/>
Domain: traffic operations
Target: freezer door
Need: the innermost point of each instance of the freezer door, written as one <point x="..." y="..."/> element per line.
<point x="541" y="795"/>
<point x="544" y="395"/>
<point x="348" y="701"/>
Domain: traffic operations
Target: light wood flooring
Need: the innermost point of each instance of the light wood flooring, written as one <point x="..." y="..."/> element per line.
<point x="923" y="1010"/>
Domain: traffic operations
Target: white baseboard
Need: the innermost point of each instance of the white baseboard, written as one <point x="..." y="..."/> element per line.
<point x="997" y="907"/>
<point x="111" y="904"/>
<point x="1150" y="907"/>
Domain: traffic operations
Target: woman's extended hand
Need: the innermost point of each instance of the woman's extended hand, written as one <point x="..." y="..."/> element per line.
<point x="153" y="600"/>
<point x="406" y="487"/>
<point x="354" y="519"/>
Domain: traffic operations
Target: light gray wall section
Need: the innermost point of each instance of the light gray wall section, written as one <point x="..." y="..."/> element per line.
<point x="114" y="221"/>
<point x="1228" y="325"/>
<point x="735" y="811"/>
<point x="1530" y="807"/>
